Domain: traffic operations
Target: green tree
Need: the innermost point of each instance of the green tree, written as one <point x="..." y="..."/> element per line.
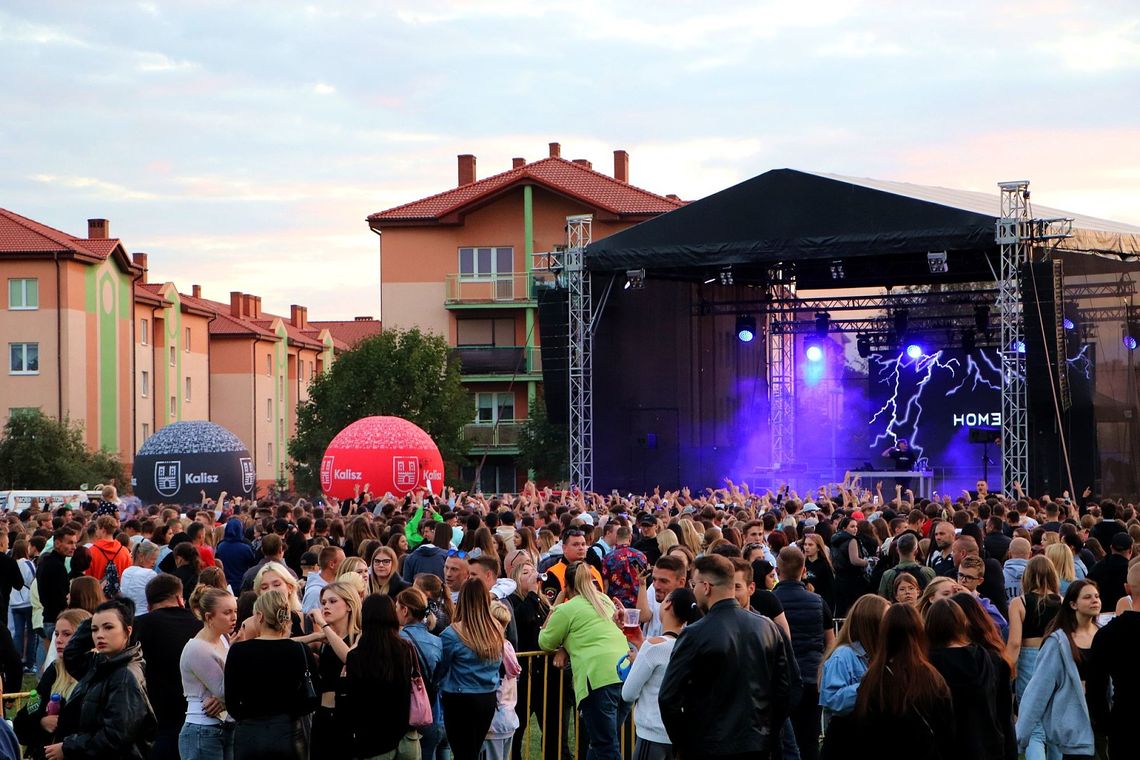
<point x="544" y="446"/>
<point x="405" y="373"/>
<point x="40" y="452"/>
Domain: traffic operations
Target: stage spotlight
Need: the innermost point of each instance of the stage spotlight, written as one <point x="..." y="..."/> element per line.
<point x="745" y="328"/>
<point x="837" y="270"/>
<point x="635" y="278"/>
<point x="822" y="323"/>
<point x="901" y="319"/>
<point x="1018" y="346"/>
<point x="1068" y="324"/>
<point x="936" y="260"/>
<point x="863" y="344"/>
<point x="814" y="352"/>
<point x="982" y="319"/>
<point x="969" y="341"/>
<point x="914" y="351"/>
<point x="1130" y="332"/>
<point x="726" y="276"/>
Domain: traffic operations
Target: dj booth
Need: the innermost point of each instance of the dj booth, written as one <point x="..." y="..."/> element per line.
<point x="921" y="480"/>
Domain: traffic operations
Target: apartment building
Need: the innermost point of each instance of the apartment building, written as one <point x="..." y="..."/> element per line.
<point x="67" y="328"/>
<point x="89" y="338"/>
<point x="461" y="264"/>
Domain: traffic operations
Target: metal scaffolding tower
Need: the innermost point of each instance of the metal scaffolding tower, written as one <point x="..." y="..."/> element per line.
<point x="1012" y="234"/>
<point x="581" y="347"/>
<point x="781" y="370"/>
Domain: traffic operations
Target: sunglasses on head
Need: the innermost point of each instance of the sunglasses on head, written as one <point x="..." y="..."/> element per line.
<point x="456" y="553"/>
<point x="573" y="532"/>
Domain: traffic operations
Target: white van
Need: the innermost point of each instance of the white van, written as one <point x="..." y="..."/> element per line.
<point x="19" y="501"/>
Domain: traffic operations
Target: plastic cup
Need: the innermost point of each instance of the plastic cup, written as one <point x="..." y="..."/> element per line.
<point x="632" y="618"/>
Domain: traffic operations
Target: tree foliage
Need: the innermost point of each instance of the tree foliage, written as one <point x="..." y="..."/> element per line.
<point x="544" y="446"/>
<point x="39" y="452"/>
<point x="404" y="373"/>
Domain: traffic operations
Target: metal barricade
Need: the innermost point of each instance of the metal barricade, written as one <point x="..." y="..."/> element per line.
<point x="545" y="689"/>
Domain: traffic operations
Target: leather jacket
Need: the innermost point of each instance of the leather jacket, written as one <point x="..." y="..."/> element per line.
<point x="114" y="717"/>
<point x="729" y="684"/>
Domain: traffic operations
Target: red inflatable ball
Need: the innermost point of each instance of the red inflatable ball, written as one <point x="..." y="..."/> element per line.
<point x="390" y="454"/>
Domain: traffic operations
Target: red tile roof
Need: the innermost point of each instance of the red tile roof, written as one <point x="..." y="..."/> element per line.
<point x="590" y="187"/>
<point x="348" y="331"/>
<point x="19" y="234"/>
<point x="147" y="294"/>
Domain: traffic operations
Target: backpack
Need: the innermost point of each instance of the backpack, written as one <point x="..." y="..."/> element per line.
<point x="111" y="585"/>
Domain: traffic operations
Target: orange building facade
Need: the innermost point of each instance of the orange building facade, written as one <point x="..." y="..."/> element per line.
<point x="461" y="264"/>
<point x="89" y="338"/>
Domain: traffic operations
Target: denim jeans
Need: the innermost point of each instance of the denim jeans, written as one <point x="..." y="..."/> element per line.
<point x="433" y="743"/>
<point x="198" y="742"/>
<point x="23" y="636"/>
<point x="1037" y="749"/>
<point x="603" y="712"/>
<point x="49" y="632"/>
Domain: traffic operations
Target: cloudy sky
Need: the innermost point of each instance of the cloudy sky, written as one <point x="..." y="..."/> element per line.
<point x="242" y="144"/>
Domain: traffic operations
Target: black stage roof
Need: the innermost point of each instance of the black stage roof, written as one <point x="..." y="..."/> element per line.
<point x="814" y="220"/>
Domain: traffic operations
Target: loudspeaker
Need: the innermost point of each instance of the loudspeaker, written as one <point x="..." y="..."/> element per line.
<point x="1046" y="368"/>
<point x="554" y="330"/>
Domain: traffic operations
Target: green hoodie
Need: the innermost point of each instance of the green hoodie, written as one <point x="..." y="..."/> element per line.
<point x="412" y="529"/>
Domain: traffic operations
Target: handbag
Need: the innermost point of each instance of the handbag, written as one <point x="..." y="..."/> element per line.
<point x="307" y="697"/>
<point x="419" y="706"/>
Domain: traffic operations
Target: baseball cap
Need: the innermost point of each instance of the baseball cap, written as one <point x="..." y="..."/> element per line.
<point x="587" y="518"/>
<point x="309" y="559"/>
<point x="809" y="507"/>
<point x="646" y="519"/>
<point x="858" y="515"/>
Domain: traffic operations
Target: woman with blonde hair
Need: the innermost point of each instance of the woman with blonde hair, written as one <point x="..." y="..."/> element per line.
<point x="938" y="588"/>
<point x="211" y="578"/>
<point x="1062" y="558"/>
<point x="34" y="727"/>
<point x="1029" y="618"/>
<point x="468" y="671"/>
<point x="337" y="622"/>
<point x="265" y="686"/>
<point x="383" y="575"/>
<point x="691" y="537"/>
<point x="202" y="666"/>
<point x="273" y="576"/>
<point x="584" y="626"/>
<point x="666" y="540"/>
<point x="819" y="575"/>
<point x="844" y="666"/>
<point x="353" y="565"/>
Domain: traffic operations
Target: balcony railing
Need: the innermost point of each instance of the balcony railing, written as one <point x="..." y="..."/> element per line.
<point x="499" y="360"/>
<point x="512" y="287"/>
<point x="489" y="435"/>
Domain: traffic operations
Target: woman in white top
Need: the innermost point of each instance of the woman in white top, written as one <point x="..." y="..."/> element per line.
<point x="208" y="731"/>
<point x="20" y="602"/>
<point x="132" y="583"/>
<point x="643" y="684"/>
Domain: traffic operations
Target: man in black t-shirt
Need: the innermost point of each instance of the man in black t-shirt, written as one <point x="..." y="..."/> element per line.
<point x="904" y="458"/>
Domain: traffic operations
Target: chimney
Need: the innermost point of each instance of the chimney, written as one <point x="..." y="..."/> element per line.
<point x="299" y="317"/>
<point x="621" y="166"/>
<point x="364" y="319"/>
<point x="555" y="150"/>
<point x="196" y="291"/>
<point x="583" y="162"/>
<point x="466" y="169"/>
<point x="98" y="229"/>
<point x="236" y="301"/>
<point x="140" y="261"/>
<point x="256" y="303"/>
<point x="518" y="163"/>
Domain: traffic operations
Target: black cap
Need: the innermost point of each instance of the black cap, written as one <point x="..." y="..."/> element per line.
<point x="280" y="525"/>
<point x="646" y="519"/>
<point x="309" y="558"/>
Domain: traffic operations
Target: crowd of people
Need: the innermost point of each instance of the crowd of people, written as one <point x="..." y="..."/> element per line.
<point x="728" y="623"/>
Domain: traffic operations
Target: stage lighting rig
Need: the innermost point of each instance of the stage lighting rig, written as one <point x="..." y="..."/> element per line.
<point x="1131" y="334"/>
<point x="822" y="323"/>
<point x="937" y="261"/>
<point x="837" y="270"/>
<point x="745" y="328"/>
<point x="901" y="321"/>
<point x="726" y="276"/>
<point x="863" y="345"/>
<point x="814" y="351"/>
<point x="635" y="279"/>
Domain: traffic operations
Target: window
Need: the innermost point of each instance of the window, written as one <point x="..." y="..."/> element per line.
<point x="144" y="331"/>
<point x="484" y="332"/>
<point x="23" y="294"/>
<point x="269" y="453"/>
<point x="187" y="340"/>
<point x="24" y="358"/>
<point x="173" y="405"/>
<point x="269" y="365"/>
<point x="188" y="389"/>
<point x="144" y="384"/>
<point x="485" y="263"/>
<point x="145" y="431"/>
<point x="494" y="407"/>
<point x="269" y="410"/>
<point x="22" y="411"/>
<point x="173" y="356"/>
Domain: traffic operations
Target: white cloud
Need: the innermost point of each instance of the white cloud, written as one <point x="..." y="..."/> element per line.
<point x="322" y="88"/>
<point x="154" y="62"/>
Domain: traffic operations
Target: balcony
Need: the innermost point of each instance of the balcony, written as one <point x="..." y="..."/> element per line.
<point x="489" y="438"/>
<point x="490" y="363"/>
<point x="508" y="290"/>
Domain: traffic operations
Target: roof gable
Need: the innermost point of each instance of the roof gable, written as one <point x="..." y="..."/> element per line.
<point x="576" y="181"/>
<point x="20" y="235"/>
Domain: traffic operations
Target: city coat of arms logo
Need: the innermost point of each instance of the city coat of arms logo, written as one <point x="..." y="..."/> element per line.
<point x="405" y="472"/>
<point x="167" y="477"/>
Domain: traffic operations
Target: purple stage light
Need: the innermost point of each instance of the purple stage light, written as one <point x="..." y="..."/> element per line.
<point x="1130" y="342"/>
<point x="914" y="351"/>
<point x="814" y="353"/>
<point x="1067" y="323"/>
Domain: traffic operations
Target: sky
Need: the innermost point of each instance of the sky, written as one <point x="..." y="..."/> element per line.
<point x="242" y="144"/>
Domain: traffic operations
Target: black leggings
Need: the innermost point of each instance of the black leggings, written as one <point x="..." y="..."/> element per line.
<point x="466" y="718"/>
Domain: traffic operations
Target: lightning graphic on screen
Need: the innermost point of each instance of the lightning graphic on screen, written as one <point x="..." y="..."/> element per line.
<point x="924" y="368"/>
<point x="1082" y="362"/>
